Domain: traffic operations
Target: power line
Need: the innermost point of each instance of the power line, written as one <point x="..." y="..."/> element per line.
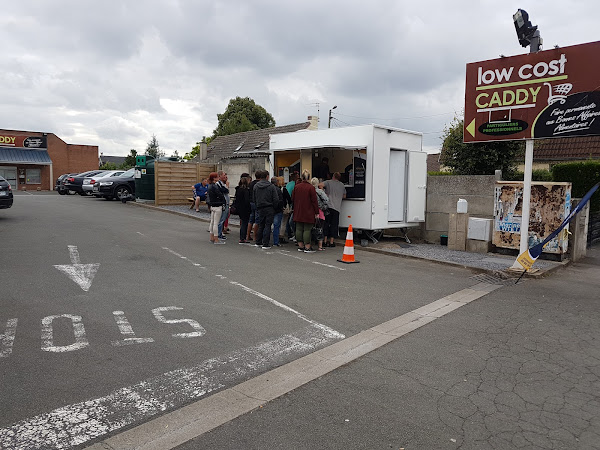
<point x="398" y="118"/>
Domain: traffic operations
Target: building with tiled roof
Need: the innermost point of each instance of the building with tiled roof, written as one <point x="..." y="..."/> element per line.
<point x="118" y="160"/>
<point x="247" y="151"/>
<point x="547" y="152"/>
<point x="251" y="144"/>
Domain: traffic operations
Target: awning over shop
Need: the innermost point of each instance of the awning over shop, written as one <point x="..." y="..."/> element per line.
<point x="24" y="156"/>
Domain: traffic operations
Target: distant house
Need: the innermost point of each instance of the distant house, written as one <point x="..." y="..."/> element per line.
<point x="433" y="162"/>
<point x="247" y="151"/>
<point x="548" y="152"/>
<point x="118" y="160"/>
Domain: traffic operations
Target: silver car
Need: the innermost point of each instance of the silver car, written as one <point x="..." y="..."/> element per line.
<point x="88" y="182"/>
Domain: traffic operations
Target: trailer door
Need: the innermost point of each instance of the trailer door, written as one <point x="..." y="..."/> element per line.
<point x="416" y="186"/>
<point x="397" y="185"/>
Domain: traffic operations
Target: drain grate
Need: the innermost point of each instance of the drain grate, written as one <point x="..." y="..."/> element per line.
<point x="493" y="279"/>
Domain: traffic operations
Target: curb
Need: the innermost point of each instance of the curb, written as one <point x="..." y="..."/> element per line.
<point x="541" y="273"/>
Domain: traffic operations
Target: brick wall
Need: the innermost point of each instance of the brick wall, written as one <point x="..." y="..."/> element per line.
<point x="68" y="158"/>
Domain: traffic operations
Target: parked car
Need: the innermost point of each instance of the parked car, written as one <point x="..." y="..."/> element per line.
<point x="88" y="182"/>
<point x="75" y="182"/>
<point x="116" y="187"/>
<point x="60" y="183"/>
<point x="6" y="195"/>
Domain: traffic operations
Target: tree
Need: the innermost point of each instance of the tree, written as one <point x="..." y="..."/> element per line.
<point x="196" y="148"/>
<point x="129" y="159"/>
<point x="481" y="158"/>
<point x="176" y="155"/>
<point x="153" y="149"/>
<point x="108" y="166"/>
<point x="242" y="114"/>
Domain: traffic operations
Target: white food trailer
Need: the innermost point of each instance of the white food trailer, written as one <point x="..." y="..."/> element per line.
<point x="384" y="170"/>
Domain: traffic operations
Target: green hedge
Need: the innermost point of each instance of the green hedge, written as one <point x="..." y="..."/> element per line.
<point x="536" y="175"/>
<point x="583" y="175"/>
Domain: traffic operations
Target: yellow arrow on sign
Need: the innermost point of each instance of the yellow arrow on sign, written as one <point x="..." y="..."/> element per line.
<point x="471" y="128"/>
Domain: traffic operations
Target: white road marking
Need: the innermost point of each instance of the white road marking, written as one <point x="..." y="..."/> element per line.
<point x="8" y="338"/>
<point x="287" y="253"/>
<point x="82" y="274"/>
<point x="126" y="330"/>
<point x="328" y="265"/>
<point x="200" y="331"/>
<point x="78" y="330"/>
<point x="74" y="254"/>
<point x="173" y="429"/>
<point x="78" y="423"/>
<point x="173" y="252"/>
<point x="326" y="329"/>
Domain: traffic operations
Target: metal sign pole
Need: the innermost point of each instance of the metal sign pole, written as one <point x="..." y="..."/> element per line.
<point x="524" y="243"/>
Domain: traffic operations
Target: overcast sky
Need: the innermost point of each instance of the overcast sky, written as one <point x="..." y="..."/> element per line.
<point x="113" y="73"/>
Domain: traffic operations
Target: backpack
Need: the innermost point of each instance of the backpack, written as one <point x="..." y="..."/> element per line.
<point x="323" y="204"/>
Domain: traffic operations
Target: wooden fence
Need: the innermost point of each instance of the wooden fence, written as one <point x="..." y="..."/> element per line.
<point x="173" y="181"/>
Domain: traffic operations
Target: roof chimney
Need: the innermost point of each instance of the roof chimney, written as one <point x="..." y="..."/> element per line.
<point x="314" y="123"/>
<point x="203" y="151"/>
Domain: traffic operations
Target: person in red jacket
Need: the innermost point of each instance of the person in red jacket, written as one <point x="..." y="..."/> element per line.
<point x="306" y="208"/>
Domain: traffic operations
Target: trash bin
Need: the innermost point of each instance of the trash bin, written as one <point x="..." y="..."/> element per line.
<point x="443" y="239"/>
<point x="144" y="177"/>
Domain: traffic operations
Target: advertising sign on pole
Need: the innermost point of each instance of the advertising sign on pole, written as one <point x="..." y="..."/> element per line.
<point x="552" y="93"/>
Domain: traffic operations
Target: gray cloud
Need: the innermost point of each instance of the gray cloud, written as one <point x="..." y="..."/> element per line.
<point x="113" y="73"/>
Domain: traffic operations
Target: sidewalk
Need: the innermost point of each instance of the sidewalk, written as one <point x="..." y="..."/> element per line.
<point x="491" y="263"/>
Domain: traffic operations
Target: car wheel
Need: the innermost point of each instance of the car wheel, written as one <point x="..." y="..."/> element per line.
<point x="62" y="192"/>
<point x="122" y="191"/>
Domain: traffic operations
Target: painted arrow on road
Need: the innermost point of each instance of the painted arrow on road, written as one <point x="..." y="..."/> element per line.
<point x="82" y="274"/>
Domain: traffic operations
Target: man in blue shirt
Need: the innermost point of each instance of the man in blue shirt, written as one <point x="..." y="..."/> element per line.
<point x="200" y="190"/>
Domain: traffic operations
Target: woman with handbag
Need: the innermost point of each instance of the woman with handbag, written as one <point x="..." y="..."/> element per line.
<point x="323" y="202"/>
<point x="216" y="200"/>
<point x="306" y="209"/>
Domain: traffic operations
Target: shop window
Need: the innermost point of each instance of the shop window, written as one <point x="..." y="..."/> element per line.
<point x="34" y="176"/>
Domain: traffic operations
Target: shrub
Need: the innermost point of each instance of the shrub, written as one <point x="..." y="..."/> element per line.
<point x="536" y="175"/>
<point x="583" y="175"/>
<point x="439" y="173"/>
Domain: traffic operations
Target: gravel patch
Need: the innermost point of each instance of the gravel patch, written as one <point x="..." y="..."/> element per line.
<point x="486" y="261"/>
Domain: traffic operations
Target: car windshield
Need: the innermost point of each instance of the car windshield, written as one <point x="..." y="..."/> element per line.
<point x="128" y="173"/>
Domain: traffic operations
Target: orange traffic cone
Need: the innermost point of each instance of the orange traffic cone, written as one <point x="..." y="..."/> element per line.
<point x="348" y="256"/>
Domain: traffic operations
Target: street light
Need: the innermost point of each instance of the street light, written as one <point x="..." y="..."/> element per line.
<point x="329" y="123"/>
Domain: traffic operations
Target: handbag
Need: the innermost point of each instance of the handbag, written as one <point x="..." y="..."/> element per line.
<point x="233" y="210"/>
<point x="317" y="231"/>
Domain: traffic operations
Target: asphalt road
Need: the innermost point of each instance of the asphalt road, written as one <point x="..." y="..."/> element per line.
<point x="111" y="315"/>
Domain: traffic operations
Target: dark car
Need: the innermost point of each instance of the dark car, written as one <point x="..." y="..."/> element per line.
<point x="116" y="187"/>
<point x="75" y="182"/>
<point x="6" y="195"/>
<point x="60" y="183"/>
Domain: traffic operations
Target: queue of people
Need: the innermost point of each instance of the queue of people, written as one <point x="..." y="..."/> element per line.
<point x="305" y="210"/>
